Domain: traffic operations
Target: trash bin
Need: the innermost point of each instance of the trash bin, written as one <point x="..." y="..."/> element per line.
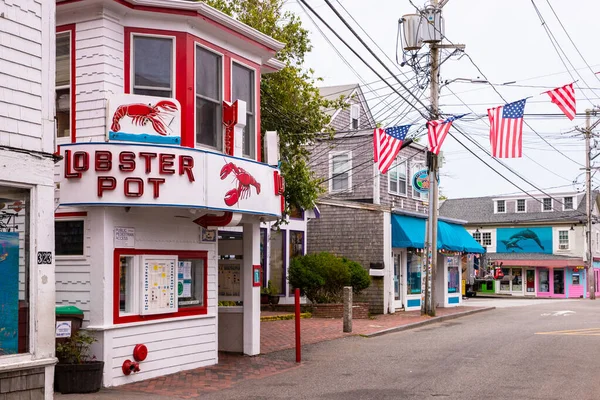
<point x="68" y="321"/>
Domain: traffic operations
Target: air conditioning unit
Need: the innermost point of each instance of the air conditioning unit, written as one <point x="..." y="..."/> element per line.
<point x="563" y="247"/>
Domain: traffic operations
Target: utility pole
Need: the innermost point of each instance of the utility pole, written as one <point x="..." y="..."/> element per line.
<point x="589" y="208"/>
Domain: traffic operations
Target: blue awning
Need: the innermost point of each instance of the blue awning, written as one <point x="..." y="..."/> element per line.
<point x="409" y="231"/>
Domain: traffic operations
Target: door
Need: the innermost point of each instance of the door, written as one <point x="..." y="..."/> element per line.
<point x="530" y="281"/>
<point x="559" y="281"/>
<point x="398" y="298"/>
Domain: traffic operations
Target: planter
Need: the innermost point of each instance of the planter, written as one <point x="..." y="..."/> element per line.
<point x="273" y="299"/>
<point x="78" y="378"/>
<point x="264" y="299"/>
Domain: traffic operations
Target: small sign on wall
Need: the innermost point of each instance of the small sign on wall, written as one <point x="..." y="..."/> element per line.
<point x="63" y="329"/>
<point x="124" y="237"/>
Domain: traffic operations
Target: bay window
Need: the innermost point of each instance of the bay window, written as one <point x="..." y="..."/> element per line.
<point x="243" y="88"/>
<point x="209" y="98"/>
<point x="63" y="84"/>
<point x="153" y="66"/>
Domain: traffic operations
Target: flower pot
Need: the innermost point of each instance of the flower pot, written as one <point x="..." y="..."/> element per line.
<point x="273" y="299"/>
<point x="264" y="299"/>
<point x="78" y="378"/>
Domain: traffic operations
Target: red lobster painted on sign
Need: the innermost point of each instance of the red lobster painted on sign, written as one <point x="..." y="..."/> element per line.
<point x="141" y="113"/>
<point x="244" y="179"/>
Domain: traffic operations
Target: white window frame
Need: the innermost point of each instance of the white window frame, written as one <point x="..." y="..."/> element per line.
<point x="132" y="63"/>
<point x="133" y="287"/>
<point x="397" y="162"/>
<point x="517" y="206"/>
<point x="496" y="207"/>
<point x="479" y="236"/>
<point x="337" y="153"/>
<point x="355" y="110"/>
<point x="572" y="203"/>
<point x="424" y="197"/>
<point x="544" y="205"/>
<point x="253" y="146"/>
<point x="482" y="238"/>
<point x="220" y="123"/>
<point x="77" y="257"/>
<point x="560" y="245"/>
<point x="66" y="139"/>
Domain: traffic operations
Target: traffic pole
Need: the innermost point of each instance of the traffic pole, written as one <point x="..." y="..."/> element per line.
<point x="298" y="346"/>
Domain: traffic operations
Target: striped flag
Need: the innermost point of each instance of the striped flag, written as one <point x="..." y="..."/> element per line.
<point x="506" y="129"/>
<point x="437" y="131"/>
<point x="387" y="143"/>
<point x="564" y="98"/>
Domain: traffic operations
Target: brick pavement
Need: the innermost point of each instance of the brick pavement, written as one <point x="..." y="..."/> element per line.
<point x="275" y="336"/>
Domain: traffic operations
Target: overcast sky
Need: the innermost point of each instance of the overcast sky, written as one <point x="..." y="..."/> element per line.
<point x="506" y="40"/>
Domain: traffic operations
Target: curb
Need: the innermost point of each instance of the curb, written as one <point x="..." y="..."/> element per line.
<point x="427" y="322"/>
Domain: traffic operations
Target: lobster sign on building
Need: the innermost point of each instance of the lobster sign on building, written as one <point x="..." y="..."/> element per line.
<point x="144" y="119"/>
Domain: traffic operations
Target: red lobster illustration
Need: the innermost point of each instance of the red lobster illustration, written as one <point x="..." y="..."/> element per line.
<point x="141" y="113"/>
<point x="245" y="180"/>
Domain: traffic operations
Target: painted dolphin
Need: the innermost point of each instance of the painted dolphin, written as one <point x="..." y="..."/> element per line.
<point x="512" y="244"/>
<point x="527" y="234"/>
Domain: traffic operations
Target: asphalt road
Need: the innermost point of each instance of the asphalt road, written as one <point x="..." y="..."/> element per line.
<point x="498" y="354"/>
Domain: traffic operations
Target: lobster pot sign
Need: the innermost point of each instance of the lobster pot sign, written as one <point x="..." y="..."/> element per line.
<point x="143" y="119"/>
<point x="121" y="174"/>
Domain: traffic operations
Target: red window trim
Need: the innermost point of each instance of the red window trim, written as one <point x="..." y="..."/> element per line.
<point x="70" y="214"/>
<point x="182" y="312"/>
<point x="185" y="70"/>
<point x="71" y="28"/>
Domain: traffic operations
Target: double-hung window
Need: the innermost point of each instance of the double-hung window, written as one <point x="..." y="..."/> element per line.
<point x="486" y="239"/>
<point x="340" y="177"/>
<point x="563" y="240"/>
<point x="500" y="206"/>
<point x="477" y="236"/>
<point x="521" y="206"/>
<point x="153" y="66"/>
<point x="547" y="204"/>
<point x="63" y="85"/>
<point x="243" y="88"/>
<point x="209" y="128"/>
<point x="397" y="177"/>
<point x="568" y="203"/>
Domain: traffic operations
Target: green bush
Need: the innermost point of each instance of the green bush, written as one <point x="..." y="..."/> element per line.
<point x="321" y="277"/>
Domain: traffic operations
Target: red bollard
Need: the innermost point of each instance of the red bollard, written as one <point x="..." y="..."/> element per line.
<point x="297" y="300"/>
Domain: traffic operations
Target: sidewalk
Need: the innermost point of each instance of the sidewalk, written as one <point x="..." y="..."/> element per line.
<point x="275" y="336"/>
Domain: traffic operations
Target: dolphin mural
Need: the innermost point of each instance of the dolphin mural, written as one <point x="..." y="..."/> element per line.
<point x="528" y="234"/>
<point x="524" y="240"/>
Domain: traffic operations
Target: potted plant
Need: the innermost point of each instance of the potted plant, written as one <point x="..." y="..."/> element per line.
<point x="269" y="294"/>
<point x="76" y="371"/>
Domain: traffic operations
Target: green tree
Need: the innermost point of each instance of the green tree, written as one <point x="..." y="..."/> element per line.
<point x="290" y="100"/>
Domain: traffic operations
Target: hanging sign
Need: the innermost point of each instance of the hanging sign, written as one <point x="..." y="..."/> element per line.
<point x="420" y="181"/>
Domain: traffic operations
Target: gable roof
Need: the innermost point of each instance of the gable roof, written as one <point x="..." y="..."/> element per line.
<point x="347" y="91"/>
<point x="480" y="210"/>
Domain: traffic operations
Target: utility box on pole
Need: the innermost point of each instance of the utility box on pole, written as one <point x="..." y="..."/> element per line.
<point x="432" y="25"/>
<point x="411" y="29"/>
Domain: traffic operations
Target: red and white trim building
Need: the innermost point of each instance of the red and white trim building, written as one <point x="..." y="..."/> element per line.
<point x="137" y="216"/>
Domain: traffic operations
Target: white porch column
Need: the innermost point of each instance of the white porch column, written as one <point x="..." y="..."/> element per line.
<point x="251" y="239"/>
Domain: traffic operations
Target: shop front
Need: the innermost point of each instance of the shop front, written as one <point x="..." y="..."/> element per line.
<point x="408" y="242"/>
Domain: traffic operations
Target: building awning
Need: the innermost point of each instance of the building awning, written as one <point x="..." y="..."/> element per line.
<point x="535" y="260"/>
<point x="409" y="231"/>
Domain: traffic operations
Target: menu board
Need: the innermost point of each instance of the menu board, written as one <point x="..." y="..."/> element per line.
<point x="230" y="283"/>
<point x="159" y="284"/>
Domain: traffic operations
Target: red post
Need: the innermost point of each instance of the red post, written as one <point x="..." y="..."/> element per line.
<point x="297" y="300"/>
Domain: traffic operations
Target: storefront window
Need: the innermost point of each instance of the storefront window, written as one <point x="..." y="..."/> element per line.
<point x="505" y="282"/>
<point x="544" y="280"/>
<point x="517" y="280"/>
<point x="230" y="280"/>
<point x="453" y="275"/>
<point x="414" y="263"/>
<point x="276" y="263"/>
<point x="68" y="238"/>
<point x="126" y="280"/>
<point x="14" y="270"/>
<point x="190" y="282"/>
<point x="296" y="243"/>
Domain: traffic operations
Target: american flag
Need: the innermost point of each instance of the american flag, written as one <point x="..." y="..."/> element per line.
<point x="437" y="131"/>
<point x="506" y="129"/>
<point x="387" y="143"/>
<point x="564" y="98"/>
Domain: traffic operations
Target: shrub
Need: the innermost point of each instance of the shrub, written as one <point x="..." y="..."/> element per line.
<point x="321" y="277"/>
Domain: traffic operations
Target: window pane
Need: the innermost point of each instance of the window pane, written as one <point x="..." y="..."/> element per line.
<point x="152" y="62"/>
<point x="248" y="135"/>
<point x="276" y="266"/>
<point x="402" y="170"/>
<point x="243" y="86"/>
<point x="63" y="59"/>
<point x="500" y="206"/>
<point x="544" y="280"/>
<point x="63" y="113"/>
<point x="230" y="280"/>
<point x="340" y="182"/>
<point x="521" y="205"/>
<point x="453" y="279"/>
<point x="547" y="204"/>
<point x="190" y="282"/>
<point x="68" y="237"/>
<point x="151" y="92"/>
<point x="14" y="265"/>
<point x="568" y="203"/>
<point x="393" y="186"/>
<point x="487" y="239"/>
<point x="340" y="163"/>
<point x="126" y="284"/>
<point x="296" y="243"/>
<point x="208" y="125"/>
<point x="413" y="277"/>
<point x="208" y="74"/>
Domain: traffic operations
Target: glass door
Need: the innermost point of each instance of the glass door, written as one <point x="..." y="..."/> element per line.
<point x="559" y="281"/>
<point x="530" y="281"/>
<point x="398" y="280"/>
